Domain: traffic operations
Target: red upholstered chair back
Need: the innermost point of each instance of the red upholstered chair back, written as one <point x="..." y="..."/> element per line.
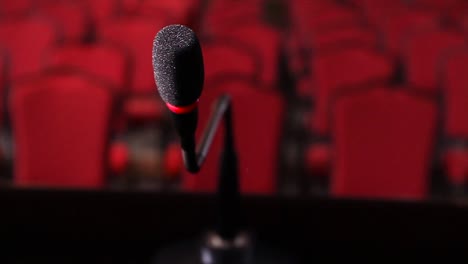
<point x="257" y="126"/>
<point x="16" y="8"/>
<point x="312" y="16"/>
<point x="424" y="53"/>
<point x="4" y="69"/>
<point x="266" y="41"/>
<point x="72" y="17"/>
<point x="377" y="12"/>
<point x="225" y="15"/>
<point x="136" y="35"/>
<point x="101" y="10"/>
<point x="337" y="71"/>
<point x="179" y="12"/>
<point x="330" y="17"/>
<point x="347" y="35"/>
<point x="383" y="144"/>
<point x="226" y="59"/>
<point x="455" y="94"/>
<point x="26" y="40"/>
<point x="397" y="27"/>
<point x="61" y="129"/>
<point x="103" y="61"/>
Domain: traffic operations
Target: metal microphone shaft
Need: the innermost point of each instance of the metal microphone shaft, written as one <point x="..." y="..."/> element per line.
<point x="228" y="183"/>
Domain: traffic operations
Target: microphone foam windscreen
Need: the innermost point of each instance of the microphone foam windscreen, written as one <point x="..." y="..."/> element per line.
<point x="178" y="65"/>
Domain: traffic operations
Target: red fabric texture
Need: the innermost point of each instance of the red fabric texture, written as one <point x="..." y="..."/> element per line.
<point x="383" y="143"/>
<point x="106" y="62"/>
<point x="342" y="36"/>
<point x="313" y="16"/>
<point x="455" y="90"/>
<point x="16" y="8"/>
<point x="26" y="41"/>
<point x="179" y="12"/>
<point x="318" y="159"/>
<point x="228" y="14"/>
<point x="378" y="12"/>
<point x="398" y="27"/>
<point x="61" y="129"/>
<point x="118" y="157"/>
<point x="456" y="165"/>
<point x="101" y="10"/>
<point x="424" y="54"/>
<point x="71" y="16"/>
<point x="136" y="36"/>
<point x="241" y="62"/>
<point x="266" y="41"/>
<point x="343" y="70"/>
<point x="173" y="162"/>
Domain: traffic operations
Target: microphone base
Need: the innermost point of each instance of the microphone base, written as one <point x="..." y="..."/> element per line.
<point x="212" y="249"/>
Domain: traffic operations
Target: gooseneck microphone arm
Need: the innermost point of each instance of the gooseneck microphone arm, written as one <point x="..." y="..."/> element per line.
<point x="228" y="183"/>
<point x="228" y="180"/>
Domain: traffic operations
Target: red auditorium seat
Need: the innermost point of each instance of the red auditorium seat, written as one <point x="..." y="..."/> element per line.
<point x="101" y="10"/>
<point x="343" y="70"/>
<point x="378" y="11"/>
<point x="422" y="61"/>
<point x="61" y="130"/>
<point x="4" y="70"/>
<point x="398" y="27"/>
<point x="26" y="41"/>
<point x="331" y="17"/>
<point x="16" y="8"/>
<point x="101" y="60"/>
<point x="223" y="15"/>
<point x="227" y="60"/>
<point x="336" y="73"/>
<point x="130" y="7"/>
<point x="72" y="17"/>
<point x="266" y="41"/>
<point x="136" y="36"/>
<point x="457" y="14"/>
<point x="383" y="144"/>
<point x="455" y="109"/>
<point x="348" y="35"/>
<point x="441" y="6"/>
<point x="184" y="12"/>
<point x="455" y="161"/>
<point x="455" y="94"/>
<point x="334" y="39"/>
<point x="318" y="15"/>
<point x="257" y="124"/>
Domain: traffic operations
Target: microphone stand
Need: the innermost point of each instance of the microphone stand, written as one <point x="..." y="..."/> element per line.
<point x="227" y="243"/>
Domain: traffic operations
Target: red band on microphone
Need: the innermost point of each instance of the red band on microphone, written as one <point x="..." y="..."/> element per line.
<point x="182" y="109"/>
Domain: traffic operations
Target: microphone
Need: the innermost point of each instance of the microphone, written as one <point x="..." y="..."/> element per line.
<point x="179" y="75"/>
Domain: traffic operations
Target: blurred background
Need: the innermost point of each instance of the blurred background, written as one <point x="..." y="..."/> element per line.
<point x="335" y="98"/>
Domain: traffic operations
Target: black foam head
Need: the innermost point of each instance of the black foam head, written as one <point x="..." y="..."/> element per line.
<point x="178" y="65"/>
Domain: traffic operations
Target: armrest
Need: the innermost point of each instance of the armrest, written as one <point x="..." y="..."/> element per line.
<point x="455" y="163"/>
<point x="118" y="157"/>
<point x="173" y="164"/>
<point x="318" y="159"/>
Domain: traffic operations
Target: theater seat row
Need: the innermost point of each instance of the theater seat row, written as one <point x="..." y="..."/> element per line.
<point x="383" y="51"/>
<point x="386" y="107"/>
<point x="104" y="57"/>
<point x="241" y="55"/>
